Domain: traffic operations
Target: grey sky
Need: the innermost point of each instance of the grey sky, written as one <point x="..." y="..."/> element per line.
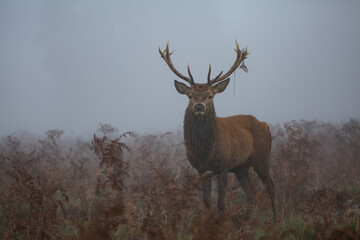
<point x="74" y="64"/>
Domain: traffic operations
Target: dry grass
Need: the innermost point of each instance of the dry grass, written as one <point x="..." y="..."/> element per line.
<point x="122" y="186"/>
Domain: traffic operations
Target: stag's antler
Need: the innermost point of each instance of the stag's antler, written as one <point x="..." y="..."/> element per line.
<point x="241" y="56"/>
<point x="166" y="56"/>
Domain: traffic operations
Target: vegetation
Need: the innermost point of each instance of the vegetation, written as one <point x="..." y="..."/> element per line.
<point x="123" y="186"/>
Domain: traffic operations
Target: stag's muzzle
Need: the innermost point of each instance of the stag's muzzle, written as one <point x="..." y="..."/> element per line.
<point x="199" y="108"/>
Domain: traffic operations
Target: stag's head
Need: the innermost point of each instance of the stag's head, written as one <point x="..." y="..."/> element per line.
<point x="201" y="95"/>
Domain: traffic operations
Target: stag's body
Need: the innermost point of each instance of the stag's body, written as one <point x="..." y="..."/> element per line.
<point x="232" y="144"/>
<point x="223" y="145"/>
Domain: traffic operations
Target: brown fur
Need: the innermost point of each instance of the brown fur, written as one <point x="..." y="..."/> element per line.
<point x="222" y="145"/>
<point x="200" y="134"/>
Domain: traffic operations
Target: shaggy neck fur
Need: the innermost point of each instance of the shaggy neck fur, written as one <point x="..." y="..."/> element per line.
<point x="200" y="132"/>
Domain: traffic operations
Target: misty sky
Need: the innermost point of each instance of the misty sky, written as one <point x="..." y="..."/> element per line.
<point x="72" y="65"/>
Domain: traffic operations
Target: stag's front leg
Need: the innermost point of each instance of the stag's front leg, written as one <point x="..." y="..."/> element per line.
<point x="206" y="186"/>
<point x="222" y="183"/>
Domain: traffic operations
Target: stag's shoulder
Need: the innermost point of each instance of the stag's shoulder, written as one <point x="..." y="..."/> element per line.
<point x="242" y="119"/>
<point x="249" y="122"/>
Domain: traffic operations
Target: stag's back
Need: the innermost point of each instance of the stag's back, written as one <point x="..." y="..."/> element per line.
<point x="250" y="140"/>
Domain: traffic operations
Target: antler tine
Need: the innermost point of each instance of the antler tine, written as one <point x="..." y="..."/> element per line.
<point x="209" y="81"/>
<point x="240" y="57"/>
<point x="191" y="77"/>
<point x="209" y="73"/>
<point x="166" y="56"/>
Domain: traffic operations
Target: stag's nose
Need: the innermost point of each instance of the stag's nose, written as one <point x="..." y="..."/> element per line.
<point x="199" y="107"/>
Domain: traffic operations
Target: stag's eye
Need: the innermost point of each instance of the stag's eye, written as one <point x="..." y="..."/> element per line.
<point x="190" y="96"/>
<point x="210" y="97"/>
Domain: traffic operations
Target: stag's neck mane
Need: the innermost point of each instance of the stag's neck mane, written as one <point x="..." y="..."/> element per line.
<point x="200" y="133"/>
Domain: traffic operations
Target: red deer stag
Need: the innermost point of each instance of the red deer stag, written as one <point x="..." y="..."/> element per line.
<point x="222" y="145"/>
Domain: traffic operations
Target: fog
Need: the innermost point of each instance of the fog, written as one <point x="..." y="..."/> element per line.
<point x="72" y="65"/>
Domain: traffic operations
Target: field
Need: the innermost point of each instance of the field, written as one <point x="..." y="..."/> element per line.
<point x="128" y="186"/>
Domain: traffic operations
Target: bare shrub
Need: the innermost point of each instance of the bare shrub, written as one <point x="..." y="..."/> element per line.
<point x="122" y="186"/>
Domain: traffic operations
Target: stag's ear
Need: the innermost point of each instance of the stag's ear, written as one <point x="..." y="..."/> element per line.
<point x="220" y="87"/>
<point x="181" y="88"/>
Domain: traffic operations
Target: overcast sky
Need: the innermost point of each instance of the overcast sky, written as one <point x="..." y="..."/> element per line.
<point x="72" y="65"/>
